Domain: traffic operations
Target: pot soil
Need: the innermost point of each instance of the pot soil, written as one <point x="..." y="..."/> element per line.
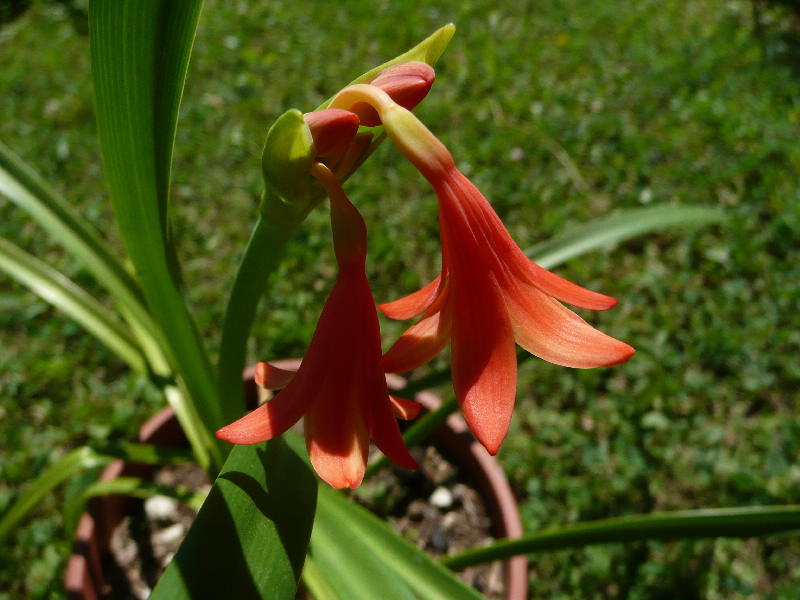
<point x="458" y="499"/>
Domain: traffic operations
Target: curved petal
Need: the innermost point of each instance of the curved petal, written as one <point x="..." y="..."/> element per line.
<point x="271" y="377"/>
<point x="566" y="291"/>
<point x="271" y="418"/>
<point x="484" y="365"/>
<point x="422" y="341"/>
<point x="551" y="331"/>
<point x="337" y="439"/>
<point x="414" y="304"/>
<point x="387" y="435"/>
<point x="494" y="236"/>
<point x="404" y="409"/>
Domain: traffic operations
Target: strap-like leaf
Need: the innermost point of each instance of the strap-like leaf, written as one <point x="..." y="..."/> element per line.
<point x="23" y="186"/>
<point x="139" y="54"/>
<point x="357" y="535"/>
<point x="620" y="227"/>
<point x="126" y="486"/>
<point x="54" y="287"/>
<point x="741" y="521"/>
<point x="250" y="537"/>
<point x="77" y="460"/>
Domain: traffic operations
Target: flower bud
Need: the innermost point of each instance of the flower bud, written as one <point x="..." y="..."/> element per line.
<point x="332" y="130"/>
<point x="406" y="83"/>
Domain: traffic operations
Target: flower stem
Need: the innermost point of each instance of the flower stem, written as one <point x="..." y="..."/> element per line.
<point x="263" y="252"/>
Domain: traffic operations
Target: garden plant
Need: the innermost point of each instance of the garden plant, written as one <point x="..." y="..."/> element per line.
<point x="281" y="507"/>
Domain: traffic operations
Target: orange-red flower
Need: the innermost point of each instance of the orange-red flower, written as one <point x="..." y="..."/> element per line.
<point x="340" y="386"/>
<point x="489" y="294"/>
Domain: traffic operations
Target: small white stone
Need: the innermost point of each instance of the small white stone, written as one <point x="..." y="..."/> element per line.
<point x="160" y="508"/>
<point x="441" y="497"/>
<point x="169" y="535"/>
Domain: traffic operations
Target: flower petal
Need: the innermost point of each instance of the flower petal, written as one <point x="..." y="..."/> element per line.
<point x="484" y="365"/>
<point x="404" y="409"/>
<point x="566" y="291"/>
<point x="414" y="304"/>
<point x="551" y="331"/>
<point x="423" y="340"/>
<point x="490" y="231"/>
<point x="337" y="439"/>
<point x="271" y="377"/>
<point x="270" y="419"/>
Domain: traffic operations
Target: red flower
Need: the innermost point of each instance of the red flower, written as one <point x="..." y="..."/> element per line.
<point x="489" y="295"/>
<point x="340" y="386"/>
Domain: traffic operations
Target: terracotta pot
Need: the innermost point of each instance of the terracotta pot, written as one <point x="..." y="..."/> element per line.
<point x="84" y="577"/>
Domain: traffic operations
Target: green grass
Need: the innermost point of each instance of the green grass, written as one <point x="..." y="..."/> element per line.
<point x="650" y="103"/>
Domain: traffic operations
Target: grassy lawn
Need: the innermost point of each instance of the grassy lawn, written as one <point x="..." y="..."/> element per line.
<point x="561" y="112"/>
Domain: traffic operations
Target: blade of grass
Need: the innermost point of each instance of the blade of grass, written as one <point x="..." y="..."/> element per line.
<point x="55" y="288"/>
<point x="130" y="40"/>
<point x="748" y="521"/>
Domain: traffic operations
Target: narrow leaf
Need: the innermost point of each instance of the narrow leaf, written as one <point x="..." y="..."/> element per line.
<point x="23" y="186"/>
<point x="251" y="534"/>
<point x="55" y="288"/>
<point x="620" y="227"/>
<point x="352" y="529"/>
<point x="738" y="522"/>
<point x="77" y="460"/>
<point x="139" y="49"/>
<point x="126" y="486"/>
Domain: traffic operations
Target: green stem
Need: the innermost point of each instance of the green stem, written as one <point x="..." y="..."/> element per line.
<point x="261" y="256"/>
<point x="746" y="521"/>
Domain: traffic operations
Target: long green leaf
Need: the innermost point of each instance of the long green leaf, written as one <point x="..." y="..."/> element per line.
<point x="352" y="569"/>
<point x="251" y="534"/>
<point x="77" y="460"/>
<point x="620" y="227"/>
<point x="61" y="292"/>
<point x="126" y="486"/>
<point x="139" y="54"/>
<point x="747" y="521"/>
<point x="23" y="186"/>
<point x="353" y="530"/>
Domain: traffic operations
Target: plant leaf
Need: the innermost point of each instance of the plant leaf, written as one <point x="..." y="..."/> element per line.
<point x="741" y="521"/>
<point x="139" y="54"/>
<point x="348" y="529"/>
<point x="23" y="186"/>
<point x="125" y="486"/>
<point x="55" y="474"/>
<point x="55" y="288"/>
<point x="620" y="227"/>
<point x="251" y="534"/>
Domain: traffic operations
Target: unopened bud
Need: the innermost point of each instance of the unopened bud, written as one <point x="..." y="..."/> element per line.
<point x="332" y="130"/>
<point x="406" y="83"/>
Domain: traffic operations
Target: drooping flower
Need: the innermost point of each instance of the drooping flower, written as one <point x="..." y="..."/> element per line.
<point x="489" y="295"/>
<point x="340" y="386"/>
